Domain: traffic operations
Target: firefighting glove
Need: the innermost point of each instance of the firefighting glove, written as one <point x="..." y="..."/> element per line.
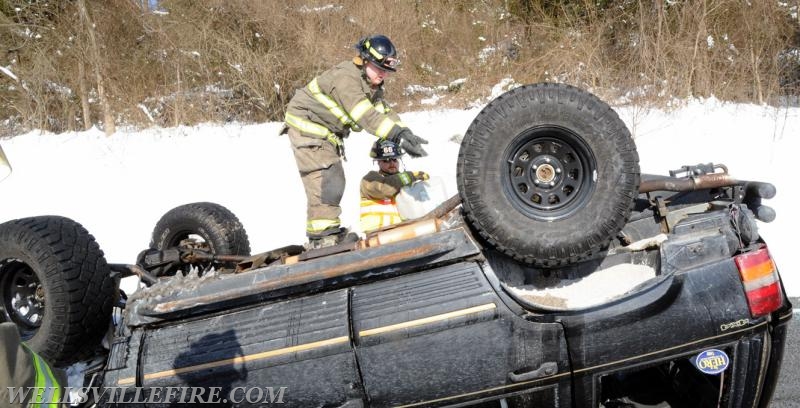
<point x="419" y="175"/>
<point x="410" y="142"/>
<point x="410" y="177"/>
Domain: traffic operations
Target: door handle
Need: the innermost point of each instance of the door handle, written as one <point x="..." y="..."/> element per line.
<point x="545" y="370"/>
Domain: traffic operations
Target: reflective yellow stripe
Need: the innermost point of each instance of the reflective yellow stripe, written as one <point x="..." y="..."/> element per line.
<point x="378" y="213"/>
<point x="405" y="178"/>
<point x="384" y="128"/>
<point x="380" y="107"/>
<point x="307" y="126"/>
<point x="332" y="106"/>
<point x="321" y="225"/>
<point x="328" y="102"/>
<point x="372" y="223"/>
<point x="360" y="109"/>
<point x="56" y="387"/>
<point x="40" y="380"/>
<point x="374" y="52"/>
<point x="46" y="381"/>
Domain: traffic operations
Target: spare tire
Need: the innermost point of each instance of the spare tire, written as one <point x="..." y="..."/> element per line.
<point x="547" y="174"/>
<point x="56" y="286"/>
<point x="212" y="226"/>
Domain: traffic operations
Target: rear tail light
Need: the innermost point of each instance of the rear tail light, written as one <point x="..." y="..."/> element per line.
<point x="761" y="282"/>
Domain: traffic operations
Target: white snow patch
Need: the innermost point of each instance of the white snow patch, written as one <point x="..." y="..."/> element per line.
<point x="486" y="52"/>
<point x="431" y="100"/>
<point x="237" y="67"/>
<point x="146" y="112"/>
<point x="505" y="84"/>
<point x="8" y="72"/>
<point x="599" y="287"/>
<point x="325" y="8"/>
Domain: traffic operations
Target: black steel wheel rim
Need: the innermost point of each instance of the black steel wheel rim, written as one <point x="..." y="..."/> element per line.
<point x="550" y="173"/>
<point x="22" y="296"/>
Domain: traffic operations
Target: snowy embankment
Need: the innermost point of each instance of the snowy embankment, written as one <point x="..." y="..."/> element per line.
<point x="118" y="187"/>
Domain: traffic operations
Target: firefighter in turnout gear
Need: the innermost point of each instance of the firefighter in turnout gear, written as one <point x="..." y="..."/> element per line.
<point x="345" y="98"/>
<point x="379" y="188"/>
<point x="26" y="379"/>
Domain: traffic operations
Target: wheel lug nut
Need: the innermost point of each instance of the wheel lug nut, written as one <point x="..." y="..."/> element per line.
<point x="558" y="170"/>
<point x="552" y="183"/>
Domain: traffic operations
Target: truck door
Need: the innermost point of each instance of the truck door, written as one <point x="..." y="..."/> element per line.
<point x="301" y="345"/>
<point x="444" y="336"/>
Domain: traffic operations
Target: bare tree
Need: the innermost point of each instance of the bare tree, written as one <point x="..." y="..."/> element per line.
<point x="96" y="62"/>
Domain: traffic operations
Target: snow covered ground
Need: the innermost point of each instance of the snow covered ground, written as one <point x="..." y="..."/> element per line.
<point x="118" y="187"/>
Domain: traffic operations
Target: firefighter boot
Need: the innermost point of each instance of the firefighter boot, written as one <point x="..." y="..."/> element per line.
<point x="332" y="237"/>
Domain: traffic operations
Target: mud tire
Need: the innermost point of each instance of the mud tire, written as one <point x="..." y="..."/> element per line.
<point x="56" y="286"/>
<point x="216" y="225"/>
<point x="547" y="174"/>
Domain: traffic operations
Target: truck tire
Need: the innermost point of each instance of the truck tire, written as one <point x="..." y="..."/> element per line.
<point x="56" y="286"/>
<point x="218" y="228"/>
<point x="547" y="174"/>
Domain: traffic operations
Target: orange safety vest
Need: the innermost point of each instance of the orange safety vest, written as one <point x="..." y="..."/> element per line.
<point x="378" y="213"/>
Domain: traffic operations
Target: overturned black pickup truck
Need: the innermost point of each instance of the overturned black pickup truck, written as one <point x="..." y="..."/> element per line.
<point x="465" y="306"/>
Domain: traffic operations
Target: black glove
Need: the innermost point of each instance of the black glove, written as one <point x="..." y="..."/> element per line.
<point x="410" y="143"/>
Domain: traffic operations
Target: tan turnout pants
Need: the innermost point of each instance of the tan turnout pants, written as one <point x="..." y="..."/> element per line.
<point x="322" y="174"/>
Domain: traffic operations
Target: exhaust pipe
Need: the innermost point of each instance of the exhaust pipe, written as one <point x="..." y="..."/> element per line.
<point x="688" y="184"/>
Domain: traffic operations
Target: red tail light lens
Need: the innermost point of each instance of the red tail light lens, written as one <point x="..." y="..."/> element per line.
<point x="761" y="282"/>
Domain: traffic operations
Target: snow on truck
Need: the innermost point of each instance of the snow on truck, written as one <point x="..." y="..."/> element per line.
<point x="468" y="305"/>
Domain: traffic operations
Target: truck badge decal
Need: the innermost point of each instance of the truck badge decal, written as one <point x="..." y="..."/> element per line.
<point x="733" y="325"/>
<point x="711" y="361"/>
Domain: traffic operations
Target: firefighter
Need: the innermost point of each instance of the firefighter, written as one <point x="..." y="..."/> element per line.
<point x="380" y="188"/>
<point x="347" y="97"/>
<point x="24" y="374"/>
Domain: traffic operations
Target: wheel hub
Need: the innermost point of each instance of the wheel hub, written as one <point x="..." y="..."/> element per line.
<point x="548" y="173"/>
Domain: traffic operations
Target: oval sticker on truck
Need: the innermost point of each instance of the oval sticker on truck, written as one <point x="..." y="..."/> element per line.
<point x="712" y="361"/>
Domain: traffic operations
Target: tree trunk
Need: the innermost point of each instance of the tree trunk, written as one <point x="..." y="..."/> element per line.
<point x="84" y="95"/>
<point x="108" y="116"/>
<point x="178" y="108"/>
<point x="691" y="87"/>
<point x="755" y="61"/>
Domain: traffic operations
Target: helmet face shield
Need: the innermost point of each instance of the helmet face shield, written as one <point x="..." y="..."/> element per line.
<point x="389" y="64"/>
